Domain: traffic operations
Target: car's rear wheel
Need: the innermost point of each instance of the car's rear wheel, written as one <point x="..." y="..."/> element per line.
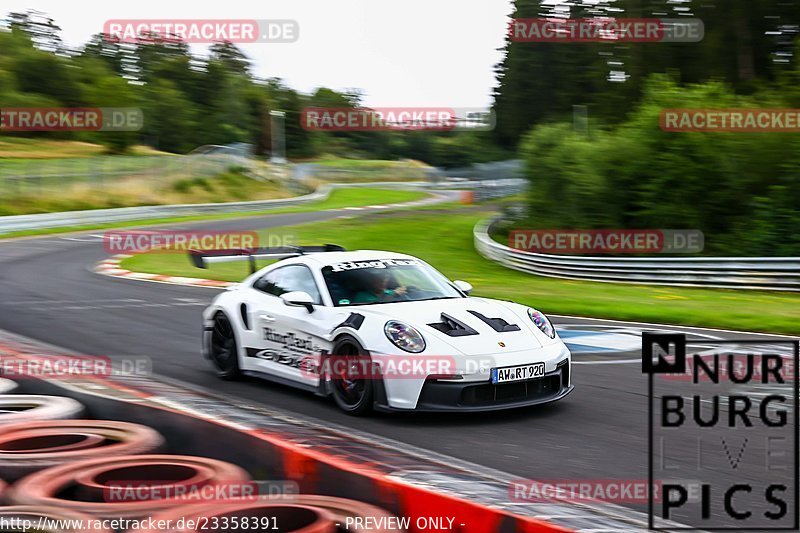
<point x="353" y="391"/>
<point x="223" y="351"/>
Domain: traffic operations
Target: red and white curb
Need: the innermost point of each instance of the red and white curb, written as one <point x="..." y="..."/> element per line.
<point x="111" y="267"/>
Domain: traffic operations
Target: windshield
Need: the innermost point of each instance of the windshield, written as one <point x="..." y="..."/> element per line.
<point x="385" y="281"/>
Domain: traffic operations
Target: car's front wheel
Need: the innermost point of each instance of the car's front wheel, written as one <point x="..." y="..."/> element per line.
<point x="353" y="391"/>
<point x="223" y="350"/>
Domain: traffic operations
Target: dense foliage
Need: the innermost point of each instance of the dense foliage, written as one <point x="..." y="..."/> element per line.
<point x="745" y="42"/>
<point x="741" y="189"/>
<point x="190" y="101"/>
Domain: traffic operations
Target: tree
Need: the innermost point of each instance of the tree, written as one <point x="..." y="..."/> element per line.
<point x="41" y="29"/>
<point x="233" y="59"/>
<point x="102" y="88"/>
<point x="47" y="74"/>
<point x="745" y="43"/>
<point x="113" y="53"/>
<point x="170" y="118"/>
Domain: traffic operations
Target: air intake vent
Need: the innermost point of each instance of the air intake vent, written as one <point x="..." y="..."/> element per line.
<point x="452" y="327"/>
<point x="243" y="312"/>
<point x="497" y="324"/>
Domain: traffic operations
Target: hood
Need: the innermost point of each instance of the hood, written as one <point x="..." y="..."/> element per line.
<point x="477" y="319"/>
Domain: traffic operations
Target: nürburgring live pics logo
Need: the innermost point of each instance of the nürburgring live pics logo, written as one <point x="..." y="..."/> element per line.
<point x="722" y="443"/>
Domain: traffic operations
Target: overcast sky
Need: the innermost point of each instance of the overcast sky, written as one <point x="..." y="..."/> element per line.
<point x="398" y="52"/>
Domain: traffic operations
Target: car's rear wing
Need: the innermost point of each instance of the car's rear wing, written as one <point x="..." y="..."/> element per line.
<point x="202" y="258"/>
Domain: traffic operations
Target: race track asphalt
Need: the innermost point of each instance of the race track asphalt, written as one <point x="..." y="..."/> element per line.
<point x="49" y="293"/>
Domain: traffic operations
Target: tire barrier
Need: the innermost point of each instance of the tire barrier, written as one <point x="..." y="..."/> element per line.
<point x="46" y="520"/>
<point x="67" y="469"/>
<point x="267" y="516"/>
<point x="74" y="480"/>
<point x="7" y="386"/>
<point x="87" y="486"/>
<point x="31" y="446"/>
<point x="17" y="408"/>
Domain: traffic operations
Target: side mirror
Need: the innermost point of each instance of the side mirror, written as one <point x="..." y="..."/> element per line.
<point x="463" y="286"/>
<point x="298" y="299"/>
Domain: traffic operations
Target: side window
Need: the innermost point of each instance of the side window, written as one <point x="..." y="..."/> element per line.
<point x="289" y="279"/>
<point x="269" y="283"/>
<point x="299" y="278"/>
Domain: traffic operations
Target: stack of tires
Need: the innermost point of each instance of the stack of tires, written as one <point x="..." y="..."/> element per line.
<point x="59" y="469"/>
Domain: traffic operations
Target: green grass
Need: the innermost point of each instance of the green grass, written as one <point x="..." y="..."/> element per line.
<point x="38" y="164"/>
<point x="338" y="199"/>
<point x="446" y="243"/>
<point x="21" y="147"/>
<point x="36" y="148"/>
<point x="230" y="186"/>
<point x="365" y="170"/>
<point x="366" y="164"/>
<point x="44" y="176"/>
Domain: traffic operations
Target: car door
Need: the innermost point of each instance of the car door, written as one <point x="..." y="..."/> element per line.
<point x="289" y="338"/>
<point x="258" y="302"/>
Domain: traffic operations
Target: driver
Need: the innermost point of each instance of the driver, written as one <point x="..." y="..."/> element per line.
<point x="376" y="288"/>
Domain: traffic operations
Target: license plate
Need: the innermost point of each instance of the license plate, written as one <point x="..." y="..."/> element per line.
<point x="517" y="373"/>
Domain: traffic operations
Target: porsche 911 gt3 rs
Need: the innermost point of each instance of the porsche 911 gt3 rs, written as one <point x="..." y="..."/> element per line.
<point x="376" y="329"/>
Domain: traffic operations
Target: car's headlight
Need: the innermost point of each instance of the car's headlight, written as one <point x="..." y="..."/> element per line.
<point x="404" y="336"/>
<point x="542" y="322"/>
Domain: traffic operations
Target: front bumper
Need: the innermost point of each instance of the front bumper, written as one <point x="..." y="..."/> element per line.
<point x="480" y="396"/>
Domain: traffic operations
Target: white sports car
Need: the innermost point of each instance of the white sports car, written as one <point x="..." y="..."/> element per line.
<point x="380" y="330"/>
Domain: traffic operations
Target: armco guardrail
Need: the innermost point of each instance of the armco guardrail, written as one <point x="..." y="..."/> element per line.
<point x="490" y="189"/>
<point x="123" y="214"/>
<point x="762" y="273"/>
<point x="10" y="224"/>
<point x="14" y="223"/>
